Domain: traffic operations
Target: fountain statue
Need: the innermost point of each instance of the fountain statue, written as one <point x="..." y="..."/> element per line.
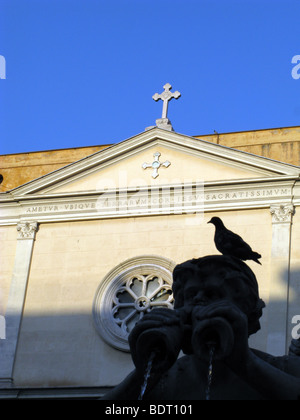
<point x="217" y="307"/>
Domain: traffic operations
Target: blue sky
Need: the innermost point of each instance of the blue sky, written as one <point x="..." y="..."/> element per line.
<point x="83" y="72"/>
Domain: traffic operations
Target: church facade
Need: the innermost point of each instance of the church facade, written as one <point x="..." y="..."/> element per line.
<point x="89" y="248"/>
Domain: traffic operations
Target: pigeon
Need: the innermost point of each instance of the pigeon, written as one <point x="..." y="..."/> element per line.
<point x="229" y="243"/>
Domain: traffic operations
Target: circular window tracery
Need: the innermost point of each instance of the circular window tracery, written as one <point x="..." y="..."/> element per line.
<point x="127" y="293"/>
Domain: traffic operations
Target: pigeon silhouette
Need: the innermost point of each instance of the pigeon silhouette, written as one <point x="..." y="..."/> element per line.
<point x="229" y="243"/>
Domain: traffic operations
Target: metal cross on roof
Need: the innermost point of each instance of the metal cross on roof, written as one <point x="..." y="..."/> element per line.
<point x="156" y="164"/>
<point x="166" y="96"/>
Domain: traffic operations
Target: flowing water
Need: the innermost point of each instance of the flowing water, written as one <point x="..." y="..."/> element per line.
<point x="210" y="373"/>
<point x="147" y="376"/>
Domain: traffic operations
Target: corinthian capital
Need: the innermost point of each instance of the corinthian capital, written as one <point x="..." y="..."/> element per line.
<point x="27" y="230"/>
<point x="282" y="213"/>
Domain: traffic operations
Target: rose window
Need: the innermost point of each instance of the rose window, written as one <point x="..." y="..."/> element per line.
<point x="123" y="298"/>
<point x="138" y="296"/>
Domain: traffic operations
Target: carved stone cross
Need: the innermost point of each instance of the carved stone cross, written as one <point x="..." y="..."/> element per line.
<point x="156" y="164"/>
<point x="166" y="96"/>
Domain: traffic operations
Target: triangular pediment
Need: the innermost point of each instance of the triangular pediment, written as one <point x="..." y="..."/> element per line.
<point x="153" y="158"/>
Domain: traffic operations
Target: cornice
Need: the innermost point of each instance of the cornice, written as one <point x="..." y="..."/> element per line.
<point x="13" y="197"/>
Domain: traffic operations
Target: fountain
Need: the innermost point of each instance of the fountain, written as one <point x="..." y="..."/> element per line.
<point x="217" y="307"/>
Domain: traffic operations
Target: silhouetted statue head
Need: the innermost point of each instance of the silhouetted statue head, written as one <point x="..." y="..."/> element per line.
<point x="218" y="277"/>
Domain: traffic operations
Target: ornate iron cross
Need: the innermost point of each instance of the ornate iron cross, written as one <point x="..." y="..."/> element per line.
<point x="166" y="96"/>
<point x="156" y="164"/>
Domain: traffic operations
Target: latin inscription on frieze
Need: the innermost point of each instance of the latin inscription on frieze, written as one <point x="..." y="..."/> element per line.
<point x="61" y="207"/>
<point x="169" y="198"/>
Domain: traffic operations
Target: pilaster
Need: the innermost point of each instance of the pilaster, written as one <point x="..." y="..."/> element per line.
<point x="277" y="310"/>
<point x="26" y="236"/>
